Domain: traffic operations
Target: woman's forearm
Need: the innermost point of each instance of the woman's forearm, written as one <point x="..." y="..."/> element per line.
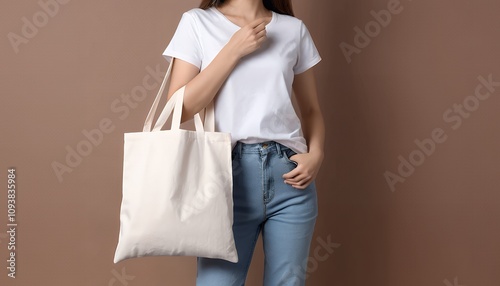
<point x="205" y="85"/>
<point x="313" y="127"/>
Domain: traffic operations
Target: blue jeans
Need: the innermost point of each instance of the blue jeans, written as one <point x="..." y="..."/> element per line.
<point x="262" y="201"/>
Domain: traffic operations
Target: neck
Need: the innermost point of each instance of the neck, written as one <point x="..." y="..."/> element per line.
<point x="249" y="8"/>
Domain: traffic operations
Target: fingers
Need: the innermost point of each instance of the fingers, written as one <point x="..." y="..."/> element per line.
<point x="297" y="178"/>
<point x="261" y="27"/>
<point x="259" y="22"/>
<point x="301" y="184"/>
<point x="251" y="36"/>
<point x="292" y="174"/>
<point x="261" y="34"/>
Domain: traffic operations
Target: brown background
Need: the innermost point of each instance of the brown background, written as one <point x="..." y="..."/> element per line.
<point x="439" y="227"/>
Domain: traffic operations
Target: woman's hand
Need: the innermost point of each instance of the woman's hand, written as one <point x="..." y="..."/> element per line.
<point x="249" y="38"/>
<point x="305" y="172"/>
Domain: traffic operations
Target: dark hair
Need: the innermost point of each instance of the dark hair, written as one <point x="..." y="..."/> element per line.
<point x="278" y="6"/>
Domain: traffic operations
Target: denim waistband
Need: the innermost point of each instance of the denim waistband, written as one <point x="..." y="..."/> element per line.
<point x="261" y="147"/>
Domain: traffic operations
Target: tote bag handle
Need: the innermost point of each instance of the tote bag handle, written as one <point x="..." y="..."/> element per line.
<point x="209" y="119"/>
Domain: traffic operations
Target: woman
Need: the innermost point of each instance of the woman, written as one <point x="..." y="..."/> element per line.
<point x="247" y="55"/>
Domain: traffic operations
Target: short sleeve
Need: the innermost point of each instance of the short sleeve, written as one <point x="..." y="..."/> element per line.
<point x="185" y="44"/>
<point x="308" y="55"/>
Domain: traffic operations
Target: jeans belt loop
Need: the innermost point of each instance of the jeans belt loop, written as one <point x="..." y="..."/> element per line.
<point x="240" y="149"/>
<point x="278" y="148"/>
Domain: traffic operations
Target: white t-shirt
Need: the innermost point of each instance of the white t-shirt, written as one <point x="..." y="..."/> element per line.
<point x="254" y="104"/>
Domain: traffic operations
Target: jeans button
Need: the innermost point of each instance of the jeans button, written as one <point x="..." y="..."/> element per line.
<point x="264" y="145"/>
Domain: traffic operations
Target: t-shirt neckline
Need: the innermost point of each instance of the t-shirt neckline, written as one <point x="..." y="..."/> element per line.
<point x="273" y="17"/>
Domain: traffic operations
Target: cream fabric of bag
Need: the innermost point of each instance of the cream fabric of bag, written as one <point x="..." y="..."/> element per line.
<point x="177" y="188"/>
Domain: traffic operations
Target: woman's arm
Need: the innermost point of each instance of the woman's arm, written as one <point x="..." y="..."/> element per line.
<point x="313" y="127"/>
<point x="201" y="87"/>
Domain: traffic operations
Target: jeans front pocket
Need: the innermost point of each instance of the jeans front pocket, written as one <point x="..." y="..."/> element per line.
<point x="287" y="153"/>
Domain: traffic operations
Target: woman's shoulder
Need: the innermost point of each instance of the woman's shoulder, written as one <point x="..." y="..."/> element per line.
<point x="200" y="16"/>
<point x="286" y="17"/>
<point x="198" y="12"/>
<point x="288" y="21"/>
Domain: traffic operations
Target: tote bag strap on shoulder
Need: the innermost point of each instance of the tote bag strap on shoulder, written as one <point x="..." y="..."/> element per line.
<point x="209" y="119"/>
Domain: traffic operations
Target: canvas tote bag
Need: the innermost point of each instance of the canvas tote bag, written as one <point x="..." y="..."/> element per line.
<point x="177" y="187"/>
